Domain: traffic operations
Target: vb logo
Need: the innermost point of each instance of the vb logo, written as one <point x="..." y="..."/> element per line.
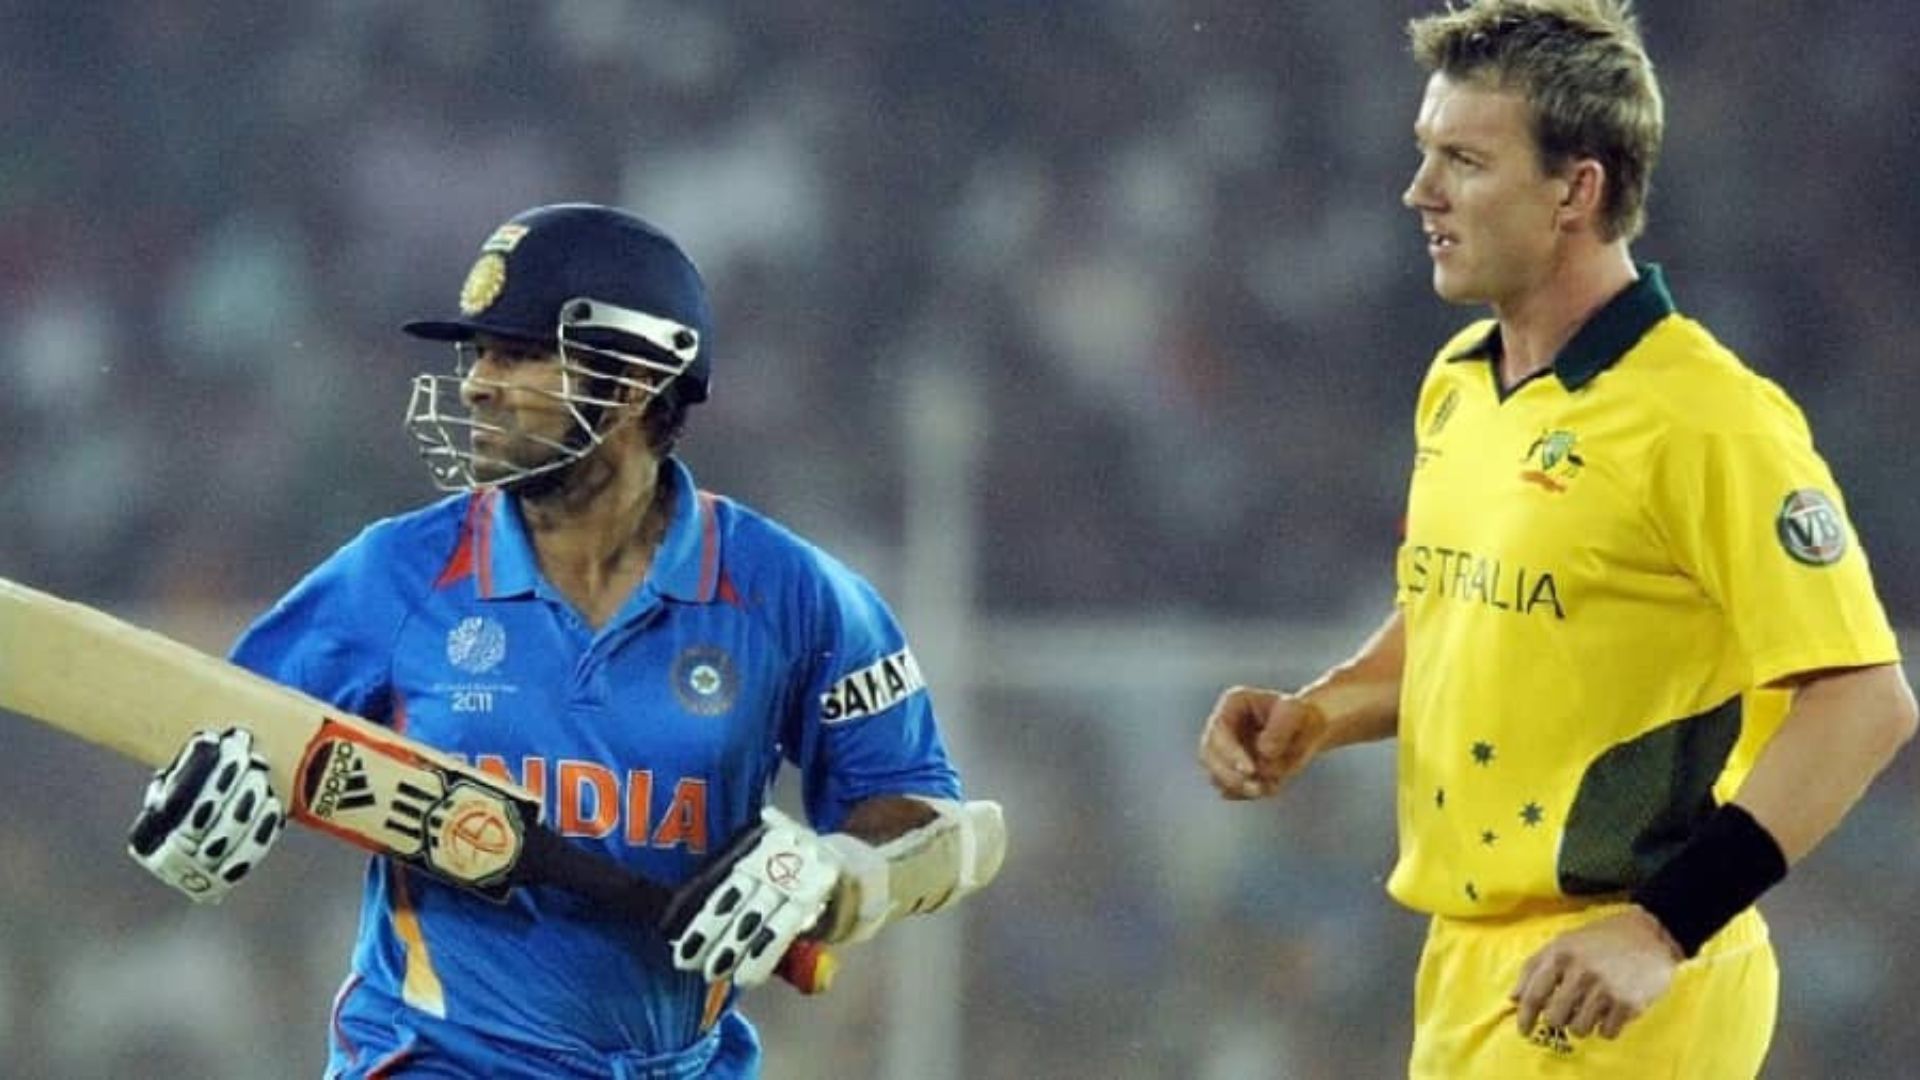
<point x="1809" y="528"/>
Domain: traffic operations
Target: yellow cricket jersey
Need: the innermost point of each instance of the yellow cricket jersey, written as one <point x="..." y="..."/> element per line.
<point x="1604" y="569"/>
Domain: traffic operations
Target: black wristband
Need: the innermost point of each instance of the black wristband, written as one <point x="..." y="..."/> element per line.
<point x="1720" y="872"/>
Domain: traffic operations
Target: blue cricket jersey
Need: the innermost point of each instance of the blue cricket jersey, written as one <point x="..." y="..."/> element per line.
<point x="652" y="740"/>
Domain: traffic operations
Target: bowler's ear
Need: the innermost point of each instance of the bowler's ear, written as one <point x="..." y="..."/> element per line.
<point x="1585" y="197"/>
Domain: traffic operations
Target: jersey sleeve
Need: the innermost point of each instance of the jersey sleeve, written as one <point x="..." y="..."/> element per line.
<point x="330" y="637"/>
<point x="1753" y="515"/>
<point x="864" y="725"/>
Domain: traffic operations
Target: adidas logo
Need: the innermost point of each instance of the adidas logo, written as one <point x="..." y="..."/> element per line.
<point x="344" y="785"/>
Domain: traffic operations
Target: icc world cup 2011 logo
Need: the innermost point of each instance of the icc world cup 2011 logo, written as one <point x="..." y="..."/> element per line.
<point x="476" y="645"/>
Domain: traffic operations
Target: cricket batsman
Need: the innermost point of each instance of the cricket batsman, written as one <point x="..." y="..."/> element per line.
<point x="648" y="657"/>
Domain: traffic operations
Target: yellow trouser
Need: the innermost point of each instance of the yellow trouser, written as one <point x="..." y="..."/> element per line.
<point x="1713" y="1023"/>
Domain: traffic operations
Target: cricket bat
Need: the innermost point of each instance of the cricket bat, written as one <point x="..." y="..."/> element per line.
<point x="142" y="694"/>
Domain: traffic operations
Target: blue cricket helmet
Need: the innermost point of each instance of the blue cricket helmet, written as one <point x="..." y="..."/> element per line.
<point x="535" y="271"/>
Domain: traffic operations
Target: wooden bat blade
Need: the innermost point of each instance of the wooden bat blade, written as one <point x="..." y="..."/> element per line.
<point x="143" y="695"/>
<point x="134" y="691"/>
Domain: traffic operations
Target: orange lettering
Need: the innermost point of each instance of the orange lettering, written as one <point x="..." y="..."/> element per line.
<point x="582" y="785"/>
<point x="639" y="805"/>
<point x="686" y="820"/>
<point x="589" y="801"/>
<point x="534" y="776"/>
<point x="534" y="768"/>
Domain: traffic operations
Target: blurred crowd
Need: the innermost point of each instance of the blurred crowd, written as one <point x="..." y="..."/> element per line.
<point x="1161" y="242"/>
<point x="1164" y="239"/>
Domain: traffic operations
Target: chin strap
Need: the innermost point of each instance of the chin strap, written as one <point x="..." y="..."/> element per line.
<point x="916" y="873"/>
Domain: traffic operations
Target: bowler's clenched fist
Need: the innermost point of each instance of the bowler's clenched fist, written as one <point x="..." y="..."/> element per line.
<point x="1256" y="740"/>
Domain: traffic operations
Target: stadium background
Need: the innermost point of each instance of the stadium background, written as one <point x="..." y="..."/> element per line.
<point x="1087" y="329"/>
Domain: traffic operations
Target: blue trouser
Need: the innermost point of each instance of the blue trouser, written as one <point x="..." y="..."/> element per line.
<point x="374" y="1038"/>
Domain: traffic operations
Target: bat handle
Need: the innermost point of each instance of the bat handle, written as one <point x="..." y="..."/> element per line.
<point x="808" y="967"/>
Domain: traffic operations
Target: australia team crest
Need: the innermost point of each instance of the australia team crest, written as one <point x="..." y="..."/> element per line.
<point x="1553" y="461"/>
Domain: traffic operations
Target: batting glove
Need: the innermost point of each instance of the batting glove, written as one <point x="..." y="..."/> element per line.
<point x="739" y="916"/>
<point x="208" y="817"/>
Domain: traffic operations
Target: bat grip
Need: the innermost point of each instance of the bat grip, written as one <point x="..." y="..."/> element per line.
<point x="808" y="967"/>
<point x="547" y="859"/>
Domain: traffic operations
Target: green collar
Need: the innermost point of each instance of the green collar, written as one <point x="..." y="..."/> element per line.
<point x="1604" y="339"/>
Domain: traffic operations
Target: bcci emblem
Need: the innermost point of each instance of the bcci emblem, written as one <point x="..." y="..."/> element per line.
<point x="1555" y="461"/>
<point x="1809" y="528"/>
<point x="704" y="680"/>
<point x="489" y="274"/>
<point x="477" y="645"/>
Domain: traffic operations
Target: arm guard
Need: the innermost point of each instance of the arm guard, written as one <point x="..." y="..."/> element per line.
<point x="918" y="872"/>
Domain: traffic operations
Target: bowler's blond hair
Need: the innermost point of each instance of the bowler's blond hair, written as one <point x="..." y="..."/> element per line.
<point x="1584" y="74"/>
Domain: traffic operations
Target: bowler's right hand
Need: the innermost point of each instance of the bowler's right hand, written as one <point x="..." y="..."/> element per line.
<point x="208" y="817"/>
<point x="1256" y="740"/>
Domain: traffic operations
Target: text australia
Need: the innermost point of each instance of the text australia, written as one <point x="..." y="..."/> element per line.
<point x="1480" y="579"/>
